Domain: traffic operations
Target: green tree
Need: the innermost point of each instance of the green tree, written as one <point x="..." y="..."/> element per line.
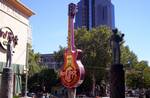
<point x="146" y="74"/>
<point x="45" y="78"/>
<point x="133" y="79"/>
<point x="33" y="66"/>
<point x="133" y="68"/>
<point x="39" y="76"/>
<point x="140" y="66"/>
<point x="95" y="46"/>
<point x="33" y="62"/>
<point x="59" y="55"/>
<point x="138" y="76"/>
<point x="128" y="58"/>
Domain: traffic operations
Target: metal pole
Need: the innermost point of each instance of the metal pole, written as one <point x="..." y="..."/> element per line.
<point x="26" y="82"/>
<point x="72" y="93"/>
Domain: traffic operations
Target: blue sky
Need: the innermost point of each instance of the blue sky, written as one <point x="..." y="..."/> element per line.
<point x="49" y="25"/>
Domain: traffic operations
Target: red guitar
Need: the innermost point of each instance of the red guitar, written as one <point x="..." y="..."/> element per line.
<point x="72" y="72"/>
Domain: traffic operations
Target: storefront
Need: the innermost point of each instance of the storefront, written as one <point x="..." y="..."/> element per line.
<point x="14" y="17"/>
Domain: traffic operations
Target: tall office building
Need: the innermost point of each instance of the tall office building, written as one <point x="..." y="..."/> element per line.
<point x="93" y="13"/>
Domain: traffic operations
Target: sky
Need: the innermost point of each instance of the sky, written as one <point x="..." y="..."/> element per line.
<point x="49" y="24"/>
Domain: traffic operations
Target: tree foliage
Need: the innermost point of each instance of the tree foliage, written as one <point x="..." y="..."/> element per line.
<point x="96" y="50"/>
<point x="58" y="56"/>
<point x="95" y="46"/>
<point x="128" y="58"/>
<point x="138" y="76"/>
<point x="33" y="62"/>
<point x="146" y="73"/>
<point x="39" y="76"/>
<point x="134" y="79"/>
<point x="136" y="71"/>
<point x="45" y="78"/>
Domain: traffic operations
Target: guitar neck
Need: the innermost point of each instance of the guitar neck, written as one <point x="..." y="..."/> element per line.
<point x="71" y="45"/>
<point x="71" y="14"/>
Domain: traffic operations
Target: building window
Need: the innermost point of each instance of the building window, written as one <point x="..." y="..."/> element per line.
<point x="104" y="14"/>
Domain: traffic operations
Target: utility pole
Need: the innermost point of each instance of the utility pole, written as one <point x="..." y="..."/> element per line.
<point x="26" y="68"/>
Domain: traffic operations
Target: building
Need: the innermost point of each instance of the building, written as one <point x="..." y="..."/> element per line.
<point x="48" y="61"/>
<point x="93" y="13"/>
<point x="14" y="18"/>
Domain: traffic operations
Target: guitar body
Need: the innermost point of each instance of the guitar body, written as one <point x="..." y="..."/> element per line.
<point x="72" y="72"/>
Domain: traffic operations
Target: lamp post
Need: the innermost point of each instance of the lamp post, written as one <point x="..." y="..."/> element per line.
<point x="26" y="79"/>
<point x="26" y="71"/>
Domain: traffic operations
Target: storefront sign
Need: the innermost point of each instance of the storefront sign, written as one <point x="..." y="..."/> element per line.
<point x="5" y="32"/>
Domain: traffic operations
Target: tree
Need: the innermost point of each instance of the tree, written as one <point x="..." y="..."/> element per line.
<point x="58" y="56"/>
<point x="39" y="76"/>
<point x="95" y="46"/>
<point x="146" y="74"/>
<point x="128" y="58"/>
<point x="45" y="78"/>
<point x="140" y="66"/>
<point x="33" y="62"/>
<point x="133" y="79"/>
<point x="138" y="76"/>
<point x="96" y="52"/>
<point x="32" y="65"/>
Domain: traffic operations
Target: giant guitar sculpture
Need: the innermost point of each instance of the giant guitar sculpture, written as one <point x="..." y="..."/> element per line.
<point x="72" y="72"/>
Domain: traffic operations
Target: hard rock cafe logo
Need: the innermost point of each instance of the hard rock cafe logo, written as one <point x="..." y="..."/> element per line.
<point x="69" y="73"/>
<point x="7" y="34"/>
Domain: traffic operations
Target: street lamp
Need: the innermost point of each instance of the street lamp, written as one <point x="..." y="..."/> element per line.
<point x="26" y="71"/>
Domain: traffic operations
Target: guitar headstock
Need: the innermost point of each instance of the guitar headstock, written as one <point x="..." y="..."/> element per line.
<point x="72" y="10"/>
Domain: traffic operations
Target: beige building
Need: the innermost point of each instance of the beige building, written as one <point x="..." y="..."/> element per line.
<point x="15" y="16"/>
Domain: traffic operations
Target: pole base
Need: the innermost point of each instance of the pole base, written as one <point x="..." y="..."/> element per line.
<point x="7" y="83"/>
<point x="117" y="81"/>
<point x="72" y="93"/>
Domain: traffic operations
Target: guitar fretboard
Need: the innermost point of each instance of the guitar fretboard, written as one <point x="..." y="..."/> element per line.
<point x="71" y="14"/>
